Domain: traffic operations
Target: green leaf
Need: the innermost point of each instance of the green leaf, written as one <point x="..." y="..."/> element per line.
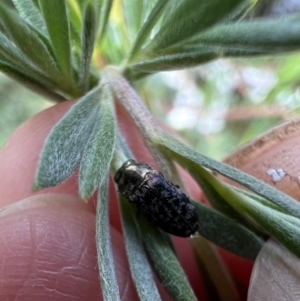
<point x="98" y="152"/>
<point x="145" y="31"/>
<point x="241" y="11"/>
<point x="285" y="228"/>
<point x="87" y="43"/>
<point x="19" y="61"/>
<point x="66" y="142"/>
<point x="188" y="157"/>
<point x="139" y="266"/>
<point x="165" y="263"/>
<point x="29" y="12"/>
<point x="28" y="41"/>
<point x="189" y="17"/>
<point x="227" y="233"/>
<point x="57" y="22"/>
<point x="174" y="61"/>
<point x="104" y="15"/>
<point x="133" y="11"/>
<point x="218" y="202"/>
<point x="268" y="36"/>
<point x="75" y="17"/>
<point x="28" y="81"/>
<point x="109" y="284"/>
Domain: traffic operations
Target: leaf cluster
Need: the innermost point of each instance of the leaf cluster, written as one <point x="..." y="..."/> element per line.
<point x="54" y="47"/>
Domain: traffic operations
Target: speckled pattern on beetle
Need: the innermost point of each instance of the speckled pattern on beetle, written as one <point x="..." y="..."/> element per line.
<point x="162" y="202"/>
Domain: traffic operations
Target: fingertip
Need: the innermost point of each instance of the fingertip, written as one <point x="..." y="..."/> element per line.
<point x="48" y="250"/>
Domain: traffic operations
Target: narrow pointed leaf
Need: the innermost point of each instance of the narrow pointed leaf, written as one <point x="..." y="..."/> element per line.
<point x="104" y="15"/>
<point x="28" y="81"/>
<point x="227" y="233"/>
<point x="145" y="31"/>
<point x="87" y="45"/>
<point x="165" y="263"/>
<point x="98" y="152"/>
<point x="265" y="35"/>
<point x="28" y="41"/>
<point x="19" y="61"/>
<point x="75" y="17"/>
<point x="176" y="61"/>
<point x="141" y="272"/>
<point x="133" y="11"/>
<point x="190" y="17"/>
<point x="276" y="274"/>
<point x="241" y="11"/>
<point x="285" y="228"/>
<point x="65" y="144"/>
<point x="109" y="284"/>
<point x="29" y="12"/>
<point x="186" y="156"/>
<point x="219" y="203"/>
<point x="57" y="22"/>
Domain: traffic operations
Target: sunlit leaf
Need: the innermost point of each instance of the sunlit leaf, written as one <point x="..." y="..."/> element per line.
<point x="276" y="274"/>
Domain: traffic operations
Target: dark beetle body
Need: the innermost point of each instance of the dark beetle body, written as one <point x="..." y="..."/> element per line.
<point x="163" y="203"/>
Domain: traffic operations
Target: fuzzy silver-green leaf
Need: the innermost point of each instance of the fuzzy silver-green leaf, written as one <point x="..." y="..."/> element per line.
<point x="185" y="155"/>
<point x="29" y="12"/>
<point x="87" y="45"/>
<point x="165" y="263"/>
<point x="65" y="144"/>
<point x="98" y="152"/>
<point x="227" y="233"/>
<point x="141" y="272"/>
<point x="109" y="284"/>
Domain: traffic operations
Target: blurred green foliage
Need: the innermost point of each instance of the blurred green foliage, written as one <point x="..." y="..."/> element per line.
<point x="221" y="105"/>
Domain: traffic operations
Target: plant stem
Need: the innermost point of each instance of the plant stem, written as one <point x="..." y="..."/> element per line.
<point x="147" y="125"/>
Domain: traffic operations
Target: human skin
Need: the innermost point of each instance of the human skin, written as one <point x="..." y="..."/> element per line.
<point x="47" y="238"/>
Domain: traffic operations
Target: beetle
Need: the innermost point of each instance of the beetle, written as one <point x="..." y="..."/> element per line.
<point x="162" y="202"/>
